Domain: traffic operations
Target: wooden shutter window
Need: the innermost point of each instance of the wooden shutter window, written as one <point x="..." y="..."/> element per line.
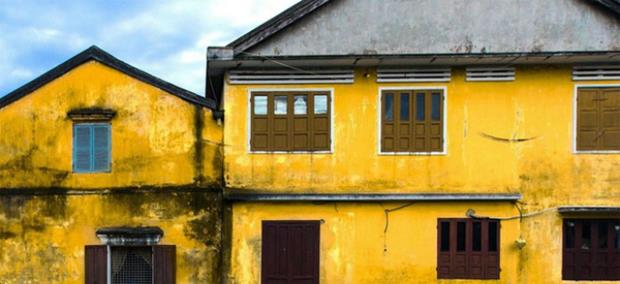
<point x="467" y="249"/>
<point x="164" y="264"/>
<point x="286" y="122"/>
<point x="95" y="264"/>
<point x="290" y="252"/>
<point x="591" y="249"/>
<point x="598" y="119"/>
<point x="91" y="147"/>
<point x="412" y="121"/>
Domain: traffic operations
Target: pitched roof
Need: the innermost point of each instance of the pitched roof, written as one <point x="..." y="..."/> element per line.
<point x="276" y="24"/>
<point x="99" y="55"/>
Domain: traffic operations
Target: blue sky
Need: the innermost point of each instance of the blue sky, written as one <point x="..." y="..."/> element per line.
<point x="165" y="38"/>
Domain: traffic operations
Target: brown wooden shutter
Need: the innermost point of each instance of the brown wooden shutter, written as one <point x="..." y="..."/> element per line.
<point x="435" y="121"/>
<point x="96" y="264"/>
<point x="420" y="122"/>
<point x="259" y="139"/>
<point x="281" y="126"/>
<point x="320" y="128"/>
<point x="491" y="263"/>
<point x="465" y="249"/>
<point x="587" y="119"/>
<point x="388" y="131"/>
<point x="290" y="252"/>
<point x="164" y="264"/>
<point x="609" y="102"/>
<point x="301" y="124"/>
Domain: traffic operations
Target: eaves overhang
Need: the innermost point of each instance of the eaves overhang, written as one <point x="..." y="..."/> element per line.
<point x="219" y="60"/>
<point x="568" y="210"/>
<point x="357" y="197"/>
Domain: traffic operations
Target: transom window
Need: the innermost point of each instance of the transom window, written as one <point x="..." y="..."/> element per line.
<point x="290" y="121"/>
<point x="598" y="119"/>
<point x="591" y="249"/>
<point x="468" y="249"/>
<point x="412" y="121"/>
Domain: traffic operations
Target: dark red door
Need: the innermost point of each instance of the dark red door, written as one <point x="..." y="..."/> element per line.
<point x="290" y="252"/>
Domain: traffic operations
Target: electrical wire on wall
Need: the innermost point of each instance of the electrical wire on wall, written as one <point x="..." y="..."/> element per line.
<point x="471" y="213"/>
<point x="387" y="221"/>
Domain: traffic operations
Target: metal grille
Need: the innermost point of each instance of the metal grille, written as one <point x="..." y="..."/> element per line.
<point x="132" y="265"/>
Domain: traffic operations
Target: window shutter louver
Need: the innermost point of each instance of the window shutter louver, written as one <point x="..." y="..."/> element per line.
<point x="95" y="264"/>
<point x="101" y="148"/>
<point x="164" y="264"/>
<point x="81" y="148"/>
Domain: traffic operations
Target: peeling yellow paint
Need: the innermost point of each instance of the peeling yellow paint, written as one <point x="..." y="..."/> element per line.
<point x="153" y="134"/>
<point x="537" y="105"/>
<point x="354" y="247"/>
<point x="159" y="141"/>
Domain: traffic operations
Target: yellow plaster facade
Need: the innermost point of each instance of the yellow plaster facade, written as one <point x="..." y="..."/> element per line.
<point x="165" y="172"/>
<point x="153" y="134"/>
<point x="537" y="107"/>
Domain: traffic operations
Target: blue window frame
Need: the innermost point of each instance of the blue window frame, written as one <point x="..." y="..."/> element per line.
<point x="91" y="147"/>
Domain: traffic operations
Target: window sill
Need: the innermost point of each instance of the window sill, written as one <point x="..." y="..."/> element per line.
<point x="291" y="152"/>
<point x="597" y="152"/>
<point x="413" y="153"/>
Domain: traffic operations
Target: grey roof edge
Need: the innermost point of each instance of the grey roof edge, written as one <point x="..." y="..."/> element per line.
<point x="370" y="197"/>
<point x="588" y="209"/>
<point x="430" y="55"/>
<point x="101" y="56"/>
<point x="612" y="5"/>
<point x="276" y="24"/>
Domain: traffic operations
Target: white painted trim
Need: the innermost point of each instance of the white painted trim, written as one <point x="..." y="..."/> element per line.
<point x="574" y="128"/>
<point x="248" y="132"/>
<point x="444" y="89"/>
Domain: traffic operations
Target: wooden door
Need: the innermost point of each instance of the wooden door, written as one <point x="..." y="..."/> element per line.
<point x="290" y="252"/>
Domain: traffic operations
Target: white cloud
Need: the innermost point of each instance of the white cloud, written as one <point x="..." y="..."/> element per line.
<point x="165" y="38"/>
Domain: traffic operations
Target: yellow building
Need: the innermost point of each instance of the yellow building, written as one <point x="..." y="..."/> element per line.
<point x="108" y="173"/>
<point x="422" y="142"/>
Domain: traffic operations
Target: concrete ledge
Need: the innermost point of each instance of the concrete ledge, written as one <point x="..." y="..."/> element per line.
<point x="274" y="197"/>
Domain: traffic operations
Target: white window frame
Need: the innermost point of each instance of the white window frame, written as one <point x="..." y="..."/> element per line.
<point x="248" y="132"/>
<point x="444" y="89"/>
<point x="574" y="127"/>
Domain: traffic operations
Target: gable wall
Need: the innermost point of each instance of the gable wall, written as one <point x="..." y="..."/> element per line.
<point x="447" y="26"/>
<point x="154" y="136"/>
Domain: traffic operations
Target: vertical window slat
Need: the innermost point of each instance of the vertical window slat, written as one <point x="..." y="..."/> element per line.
<point x="82" y="136"/>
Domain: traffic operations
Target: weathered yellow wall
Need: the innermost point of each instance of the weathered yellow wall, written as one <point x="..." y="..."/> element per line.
<point x="166" y="172"/>
<point x="42" y="238"/>
<point x="354" y="247"/>
<point x="153" y="134"/>
<point x="537" y="104"/>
